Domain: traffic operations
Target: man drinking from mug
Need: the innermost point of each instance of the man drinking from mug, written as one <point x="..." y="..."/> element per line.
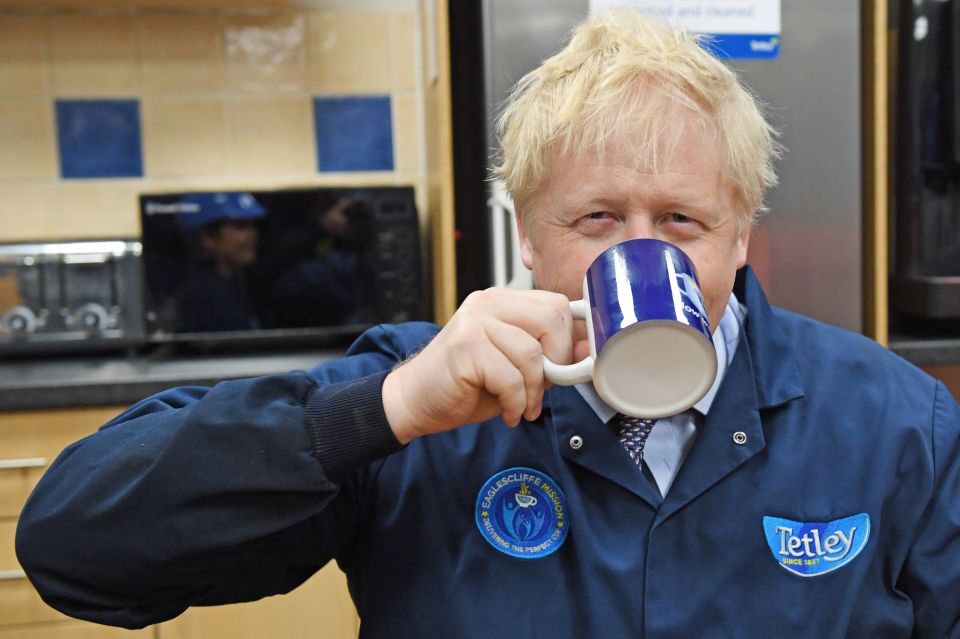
<point x="814" y="491"/>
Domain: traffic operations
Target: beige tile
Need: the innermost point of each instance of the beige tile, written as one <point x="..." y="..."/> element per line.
<point x="29" y="144"/>
<point x="271" y="136"/>
<point x="23" y="32"/>
<point x="266" y="53"/>
<point x="24" y="69"/>
<point x="93" y="54"/>
<point x="184" y="137"/>
<point x="349" y="51"/>
<point x="429" y="44"/>
<point x="403" y="50"/>
<point x="29" y="212"/>
<point x="406" y="133"/>
<point x="181" y="52"/>
<point x="100" y="209"/>
<point x="432" y="138"/>
<point x="420" y="196"/>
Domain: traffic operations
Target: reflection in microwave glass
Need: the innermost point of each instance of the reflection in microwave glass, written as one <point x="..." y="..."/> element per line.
<point x="273" y="266"/>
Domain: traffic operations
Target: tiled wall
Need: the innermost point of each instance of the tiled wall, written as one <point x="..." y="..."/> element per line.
<point x="100" y="105"/>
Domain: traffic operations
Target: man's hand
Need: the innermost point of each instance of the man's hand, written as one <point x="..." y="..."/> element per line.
<point x="487" y="361"/>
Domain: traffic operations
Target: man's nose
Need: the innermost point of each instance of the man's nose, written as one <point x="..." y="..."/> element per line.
<point x="640" y="226"/>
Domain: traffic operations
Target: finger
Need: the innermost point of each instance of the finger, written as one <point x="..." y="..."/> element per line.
<point x="543" y="314"/>
<point x="581" y="350"/>
<point x="526" y="354"/>
<point x="503" y="380"/>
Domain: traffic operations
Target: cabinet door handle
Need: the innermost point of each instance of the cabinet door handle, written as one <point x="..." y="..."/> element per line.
<point x="10" y="575"/>
<point x="26" y="462"/>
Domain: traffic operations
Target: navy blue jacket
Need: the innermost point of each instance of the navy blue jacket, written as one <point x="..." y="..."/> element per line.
<point x="203" y="496"/>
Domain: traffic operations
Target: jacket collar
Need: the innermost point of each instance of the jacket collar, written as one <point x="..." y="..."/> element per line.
<point x="775" y="369"/>
<point x="763" y="374"/>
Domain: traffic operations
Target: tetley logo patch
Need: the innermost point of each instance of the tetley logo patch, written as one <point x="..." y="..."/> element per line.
<point x="809" y="549"/>
<point x="523" y="513"/>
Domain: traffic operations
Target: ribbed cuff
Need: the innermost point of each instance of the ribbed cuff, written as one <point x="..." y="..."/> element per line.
<point x="347" y="424"/>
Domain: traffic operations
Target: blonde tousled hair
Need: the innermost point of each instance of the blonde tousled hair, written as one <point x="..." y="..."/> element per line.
<point x="622" y="79"/>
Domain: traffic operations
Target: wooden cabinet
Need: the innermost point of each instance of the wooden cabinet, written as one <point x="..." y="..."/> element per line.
<point x="73" y="630"/>
<point x="29" y="441"/>
<point x="19" y="602"/>
<point x="319" y="609"/>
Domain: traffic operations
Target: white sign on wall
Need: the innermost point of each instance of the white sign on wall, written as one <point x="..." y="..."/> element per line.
<point x="739" y="29"/>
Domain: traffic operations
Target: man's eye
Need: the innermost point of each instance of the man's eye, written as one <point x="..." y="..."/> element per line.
<point x="596" y="215"/>
<point x="679" y="218"/>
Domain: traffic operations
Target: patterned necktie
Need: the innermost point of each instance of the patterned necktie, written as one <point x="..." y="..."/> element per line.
<point x="633" y="435"/>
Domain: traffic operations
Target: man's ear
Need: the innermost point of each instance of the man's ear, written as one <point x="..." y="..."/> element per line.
<point x="526" y="248"/>
<point x="743" y="244"/>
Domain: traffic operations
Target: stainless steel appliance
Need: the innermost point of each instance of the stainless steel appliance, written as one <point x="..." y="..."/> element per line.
<point x="70" y="296"/>
<point x="813" y="232"/>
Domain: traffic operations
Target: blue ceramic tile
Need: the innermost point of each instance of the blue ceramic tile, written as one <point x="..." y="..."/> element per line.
<point x="99" y="138"/>
<point x="353" y="134"/>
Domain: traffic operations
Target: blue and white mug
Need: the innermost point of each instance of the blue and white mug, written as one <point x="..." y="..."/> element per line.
<point x="651" y="350"/>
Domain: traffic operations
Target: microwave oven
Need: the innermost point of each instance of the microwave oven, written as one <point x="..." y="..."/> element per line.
<point x="305" y="265"/>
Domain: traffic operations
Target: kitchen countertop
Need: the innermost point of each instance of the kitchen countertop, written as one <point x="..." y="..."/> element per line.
<point x="119" y="379"/>
<point x="110" y="380"/>
<point x="927" y="351"/>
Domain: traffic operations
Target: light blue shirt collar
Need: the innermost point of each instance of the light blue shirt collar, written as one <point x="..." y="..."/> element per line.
<point x="725" y="341"/>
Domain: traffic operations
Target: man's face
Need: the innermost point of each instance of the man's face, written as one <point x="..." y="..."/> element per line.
<point x="587" y="205"/>
<point x="233" y="243"/>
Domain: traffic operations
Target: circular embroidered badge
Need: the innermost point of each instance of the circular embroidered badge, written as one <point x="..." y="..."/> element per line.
<point x="522" y="512"/>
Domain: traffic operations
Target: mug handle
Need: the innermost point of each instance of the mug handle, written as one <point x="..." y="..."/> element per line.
<point x="570" y="374"/>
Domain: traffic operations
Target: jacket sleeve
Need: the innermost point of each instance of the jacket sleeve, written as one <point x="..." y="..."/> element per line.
<point x="932" y="574"/>
<point x="202" y="496"/>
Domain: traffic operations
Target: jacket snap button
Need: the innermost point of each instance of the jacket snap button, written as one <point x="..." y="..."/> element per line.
<point x="739" y="438"/>
<point x="576" y="442"/>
